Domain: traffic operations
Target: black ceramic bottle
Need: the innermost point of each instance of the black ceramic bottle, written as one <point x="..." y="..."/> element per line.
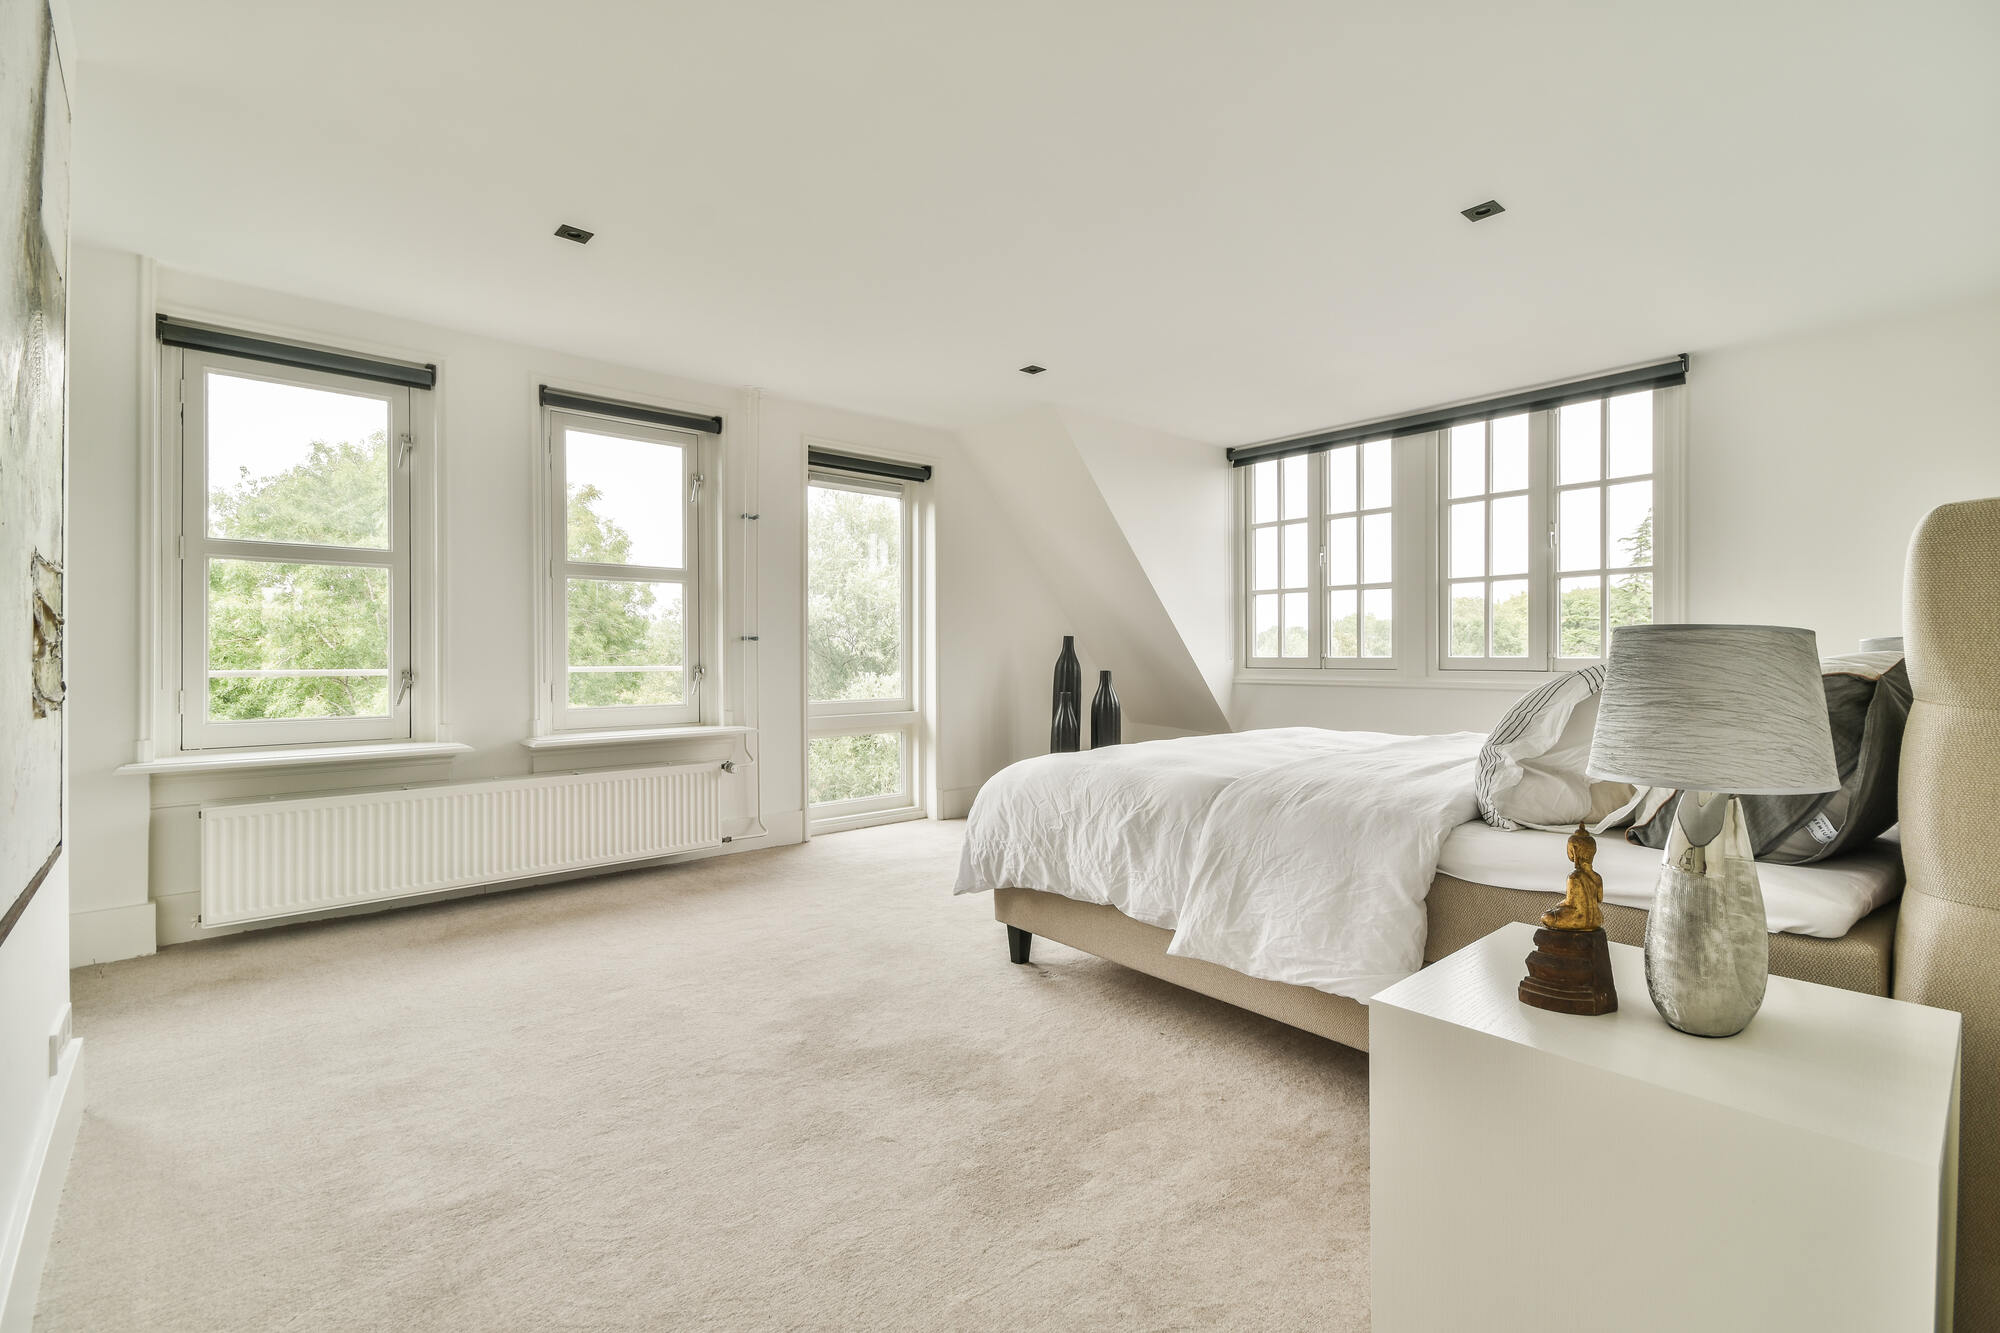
<point x="1069" y="680"/>
<point x="1066" y="731"/>
<point x="1107" y="720"/>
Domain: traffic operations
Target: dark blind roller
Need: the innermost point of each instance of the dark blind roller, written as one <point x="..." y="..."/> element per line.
<point x="868" y="467"/>
<point x="1664" y="375"/>
<point x="611" y="407"/>
<point x="176" y="333"/>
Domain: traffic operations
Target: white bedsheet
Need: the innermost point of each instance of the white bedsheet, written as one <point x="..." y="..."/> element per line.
<point x="1825" y="899"/>
<point x="1297" y="855"/>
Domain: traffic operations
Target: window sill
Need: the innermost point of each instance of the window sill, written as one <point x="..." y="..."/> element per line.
<point x="590" y="740"/>
<point x="299" y="756"/>
<point x="842" y="823"/>
<point x="1515" y="682"/>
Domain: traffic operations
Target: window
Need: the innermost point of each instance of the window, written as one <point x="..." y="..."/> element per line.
<point x="623" y="601"/>
<point x="863" y="560"/>
<point x="1581" y="474"/>
<point x="1488" y="548"/>
<point x="1321" y="558"/>
<point x="294" y="544"/>
<point x="1537" y="538"/>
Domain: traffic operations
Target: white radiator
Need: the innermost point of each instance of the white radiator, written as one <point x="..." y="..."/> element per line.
<point x="264" y="859"/>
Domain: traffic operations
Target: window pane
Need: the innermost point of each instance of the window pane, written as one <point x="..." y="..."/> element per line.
<point x="626" y="643"/>
<point x="1510" y="453"/>
<point x="1378" y="543"/>
<point x="1630" y="510"/>
<point x="1342" y="631"/>
<point x="854" y="594"/>
<point x="1377" y="475"/>
<point x="1510" y="618"/>
<point x="1510" y="536"/>
<point x="1468" y="540"/>
<point x="1295" y="485"/>
<point x="853" y="768"/>
<point x="1468" y="459"/>
<point x="1577" y="529"/>
<point x="1631" y="433"/>
<point x="291" y="464"/>
<point x="1264" y="625"/>
<point x="624" y="500"/>
<point x="1263" y="492"/>
<point x="297" y="640"/>
<point x="1342" y="494"/>
<point x="1632" y="600"/>
<point x="1297" y="575"/>
<point x="1581" y="633"/>
<point x="1468" y="620"/>
<point x="1340" y="551"/>
<point x="1379" y="627"/>
<point x="1298" y="638"/>
<point x="1578" y="432"/>
<point x="1264" y="563"/>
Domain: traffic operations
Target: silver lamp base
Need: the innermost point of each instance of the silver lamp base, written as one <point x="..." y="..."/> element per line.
<point x="1708" y="954"/>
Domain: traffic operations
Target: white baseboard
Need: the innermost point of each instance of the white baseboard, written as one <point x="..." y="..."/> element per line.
<point x="111" y="933"/>
<point x="956" y="802"/>
<point x="24" y="1247"/>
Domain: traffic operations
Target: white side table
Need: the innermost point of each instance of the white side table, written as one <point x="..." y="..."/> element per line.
<point x="1540" y="1171"/>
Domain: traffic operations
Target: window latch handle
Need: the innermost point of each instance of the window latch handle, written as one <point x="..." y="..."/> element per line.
<point x="409" y="678"/>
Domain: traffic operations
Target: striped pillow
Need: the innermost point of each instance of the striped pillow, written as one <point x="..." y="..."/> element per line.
<point x="1531" y="767"/>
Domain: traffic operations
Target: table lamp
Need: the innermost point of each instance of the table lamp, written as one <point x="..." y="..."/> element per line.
<point x="1718" y="711"/>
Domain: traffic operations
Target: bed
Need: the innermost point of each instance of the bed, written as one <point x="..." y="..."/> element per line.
<point x="1286" y="830"/>
<point x="1919" y="919"/>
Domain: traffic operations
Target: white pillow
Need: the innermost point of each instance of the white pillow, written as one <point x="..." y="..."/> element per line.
<point x="1531" y="767"/>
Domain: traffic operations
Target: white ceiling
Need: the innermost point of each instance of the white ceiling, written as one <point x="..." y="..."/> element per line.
<point x="1229" y="220"/>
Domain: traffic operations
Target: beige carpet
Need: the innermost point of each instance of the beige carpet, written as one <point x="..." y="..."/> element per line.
<point x="794" y="1089"/>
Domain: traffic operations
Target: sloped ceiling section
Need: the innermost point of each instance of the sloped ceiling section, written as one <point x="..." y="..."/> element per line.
<point x="1039" y="471"/>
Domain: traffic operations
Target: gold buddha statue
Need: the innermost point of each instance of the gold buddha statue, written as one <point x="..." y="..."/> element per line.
<point x="1582" y="907"/>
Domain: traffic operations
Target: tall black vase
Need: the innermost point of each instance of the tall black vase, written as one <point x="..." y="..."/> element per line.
<point x="1069" y="680"/>
<point x="1107" y="719"/>
<point x="1066" y="732"/>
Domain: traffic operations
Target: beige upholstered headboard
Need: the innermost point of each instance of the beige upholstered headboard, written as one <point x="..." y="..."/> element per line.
<point x="1948" y="930"/>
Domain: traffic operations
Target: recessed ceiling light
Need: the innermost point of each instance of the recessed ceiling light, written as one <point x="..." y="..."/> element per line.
<point x="577" y="234"/>
<point x="1033" y="370"/>
<point x="1480" y="212"/>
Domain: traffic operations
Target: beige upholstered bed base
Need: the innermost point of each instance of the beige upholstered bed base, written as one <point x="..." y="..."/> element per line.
<point x="1460" y="912"/>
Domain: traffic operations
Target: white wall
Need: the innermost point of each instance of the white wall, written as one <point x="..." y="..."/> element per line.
<point x="997" y="638"/>
<point x="1035" y="468"/>
<point x="1174" y="500"/>
<point x="1810" y="460"/>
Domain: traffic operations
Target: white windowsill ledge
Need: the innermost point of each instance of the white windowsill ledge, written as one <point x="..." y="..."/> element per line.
<point x="298" y="756"/>
<point x="589" y="740"/>
<point x="1519" y="682"/>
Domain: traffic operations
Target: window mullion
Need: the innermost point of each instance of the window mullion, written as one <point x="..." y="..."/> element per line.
<point x="1316" y="573"/>
<point x="1543" y="603"/>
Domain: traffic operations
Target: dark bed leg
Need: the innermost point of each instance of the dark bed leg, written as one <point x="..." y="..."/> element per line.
<point x="1018" y="943"/>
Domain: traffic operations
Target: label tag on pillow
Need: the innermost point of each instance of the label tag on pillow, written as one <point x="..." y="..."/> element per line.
<point x="1822" y="829"/>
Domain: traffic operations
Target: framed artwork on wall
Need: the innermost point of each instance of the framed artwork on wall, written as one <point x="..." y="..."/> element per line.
<point x="34" y="236"/>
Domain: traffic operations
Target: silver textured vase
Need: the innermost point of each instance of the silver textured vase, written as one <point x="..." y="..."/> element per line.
<point x="1708" y="954"/>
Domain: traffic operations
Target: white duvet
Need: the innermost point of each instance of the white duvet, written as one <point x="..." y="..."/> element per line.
<point x="1297" y="855"/>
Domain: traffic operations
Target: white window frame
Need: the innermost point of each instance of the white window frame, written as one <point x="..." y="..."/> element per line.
<point x="1540" y="559"/>
<point x="1407" y="480"/>
<point x="554" y="713"/>
<point x="903" y="714"/>
<point x="1421" y="589"/>
<point x="187" y="549"/>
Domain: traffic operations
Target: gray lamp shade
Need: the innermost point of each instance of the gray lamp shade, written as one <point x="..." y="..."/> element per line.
<point x="1724" y="708"/>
